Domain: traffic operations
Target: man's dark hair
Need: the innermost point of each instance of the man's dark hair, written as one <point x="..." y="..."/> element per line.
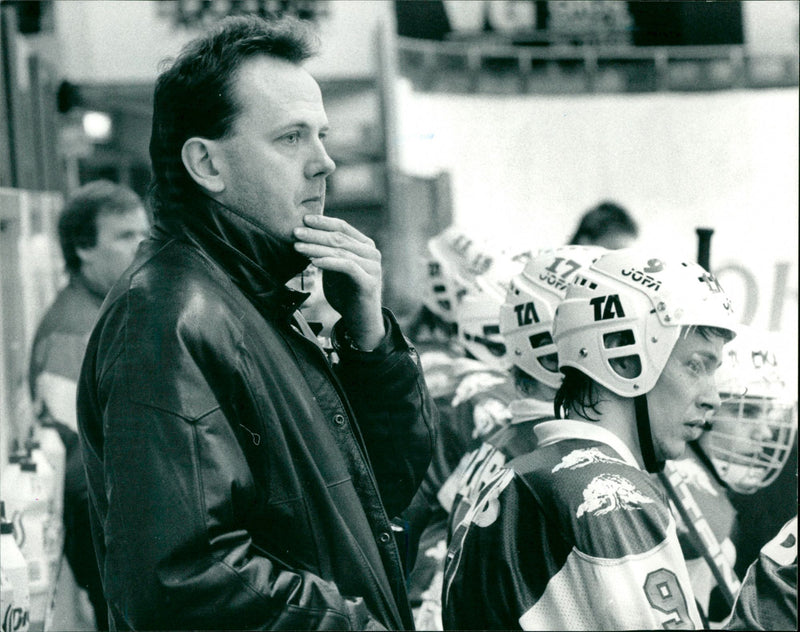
<point x="77" y="225"/>
<point x="605" y="218"/>
<point x="578" y="393"/>
<point x="194" y="96"/>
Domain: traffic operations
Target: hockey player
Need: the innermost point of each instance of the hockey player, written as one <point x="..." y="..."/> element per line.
<point x="467" y="283"/>
<point x="768" y="598"/>
<point x="576" y="535"/>
<point x="751" y="440"/>
<point x="754" y="430"/>
<point x="526" y="325"/>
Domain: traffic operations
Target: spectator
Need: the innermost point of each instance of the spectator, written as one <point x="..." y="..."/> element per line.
<point x="607" y="225"/>
<point x="237" y="479"/>
<point x="99" y="230"/>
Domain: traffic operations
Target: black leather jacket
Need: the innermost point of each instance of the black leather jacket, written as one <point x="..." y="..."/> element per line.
<point x="236" y="480"/>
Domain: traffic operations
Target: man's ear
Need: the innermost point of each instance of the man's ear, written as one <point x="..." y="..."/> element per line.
<point x="199" y="157"/>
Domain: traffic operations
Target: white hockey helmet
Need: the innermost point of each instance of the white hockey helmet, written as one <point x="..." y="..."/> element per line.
<point x="632" y="304"/>
<point x="526" y="316"/>
<point x="448" y="274"/>
<point x="754" y="430"/>
<point x="478" y="312"/>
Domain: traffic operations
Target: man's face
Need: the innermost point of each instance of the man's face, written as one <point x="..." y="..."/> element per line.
<point x="685" y="394"/>
<point x="118" y="236"/>
<point x="741" y="424"/>
<point x="273" y="162"/>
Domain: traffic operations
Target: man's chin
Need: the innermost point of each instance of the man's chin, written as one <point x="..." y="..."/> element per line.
<point x="672" y="452"/>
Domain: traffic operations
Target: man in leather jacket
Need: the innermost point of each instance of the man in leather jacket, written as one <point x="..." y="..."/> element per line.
<point x="237" y="479"/>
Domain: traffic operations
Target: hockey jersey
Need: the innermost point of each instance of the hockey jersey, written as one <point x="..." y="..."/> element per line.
<point x="705" y="499"/>
<point x="768" y="598"/>
<point x="478" y="467"/>
<point x="473" y="401"/>
<point x="462" y="487"/>
<point x="573" y="536"/>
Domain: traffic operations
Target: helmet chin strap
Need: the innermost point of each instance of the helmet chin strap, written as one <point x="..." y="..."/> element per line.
<point x="645" y="436"/>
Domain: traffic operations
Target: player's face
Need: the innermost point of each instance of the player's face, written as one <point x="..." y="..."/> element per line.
<point x="118" y="236"/>
<point x="685" y="394"/>
<point x="741" y="425"/>
<point x="273" y="162"/>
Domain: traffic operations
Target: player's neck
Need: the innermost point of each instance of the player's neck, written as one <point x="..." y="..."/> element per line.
<point x="617" y="415"/>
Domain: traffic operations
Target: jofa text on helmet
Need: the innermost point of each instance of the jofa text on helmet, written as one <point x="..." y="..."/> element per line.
<point x="638" y="276"/>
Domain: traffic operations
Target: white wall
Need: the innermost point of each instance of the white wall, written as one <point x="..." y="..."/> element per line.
<point x="771" y="25"/>
<point x="525" y="168"/>
<point x="124" y="40"/>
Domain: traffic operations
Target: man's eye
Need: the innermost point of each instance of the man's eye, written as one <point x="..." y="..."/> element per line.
<point x="292" y="138"/>
<point x="696" y="367"/>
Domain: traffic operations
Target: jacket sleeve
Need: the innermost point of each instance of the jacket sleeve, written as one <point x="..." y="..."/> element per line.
<point x="171" y="492"/>
<point x="394" y="410"/>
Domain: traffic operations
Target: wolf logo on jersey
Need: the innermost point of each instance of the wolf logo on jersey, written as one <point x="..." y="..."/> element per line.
<point x="609" y="492"/>
<point x="584" y="457"/>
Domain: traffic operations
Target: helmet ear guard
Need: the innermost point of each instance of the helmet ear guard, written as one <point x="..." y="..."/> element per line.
<point x="754" y="431"/>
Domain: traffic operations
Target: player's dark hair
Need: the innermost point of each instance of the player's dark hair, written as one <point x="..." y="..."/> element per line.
<point x="77" y="224"/>
<point x="604" y="219"/>
<point x="576" y="393"/>
<point x="713" y="332"/>
<point x="195" y="96"/>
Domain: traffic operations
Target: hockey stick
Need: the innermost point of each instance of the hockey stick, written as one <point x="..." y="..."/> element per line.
<point x="700" y="532"/>
<point x="704" y="247"/>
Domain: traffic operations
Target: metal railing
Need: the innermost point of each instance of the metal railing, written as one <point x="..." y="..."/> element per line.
<point x="495" y="68"/>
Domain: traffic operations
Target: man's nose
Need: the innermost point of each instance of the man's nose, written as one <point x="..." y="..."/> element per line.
<point x="320" y="163"/>
<point x="709" y="399"/>
<point x="760" y="430"/>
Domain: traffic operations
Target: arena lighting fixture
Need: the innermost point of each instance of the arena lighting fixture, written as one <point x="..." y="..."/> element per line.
<point x="97" y="126"/>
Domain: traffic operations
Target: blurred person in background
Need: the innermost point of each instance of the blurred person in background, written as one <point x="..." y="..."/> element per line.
<point x="99" y="230"/>
<point x="576" y="534"/>
<point x="237" y="478"/>
<point x="607" y="225"/>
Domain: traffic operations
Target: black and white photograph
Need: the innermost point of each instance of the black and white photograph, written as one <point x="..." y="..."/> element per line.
<point x="399" y="314"/>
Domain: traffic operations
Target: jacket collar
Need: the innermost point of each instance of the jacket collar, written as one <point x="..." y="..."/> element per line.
<point x="257" y="262"/>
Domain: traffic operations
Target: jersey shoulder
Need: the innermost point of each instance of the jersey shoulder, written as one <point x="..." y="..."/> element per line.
<point x="609" y="508"/>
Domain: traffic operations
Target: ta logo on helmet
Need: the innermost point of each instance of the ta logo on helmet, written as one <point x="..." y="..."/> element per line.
<point x="607" y="307"/>
<point x="526" y="314"/>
